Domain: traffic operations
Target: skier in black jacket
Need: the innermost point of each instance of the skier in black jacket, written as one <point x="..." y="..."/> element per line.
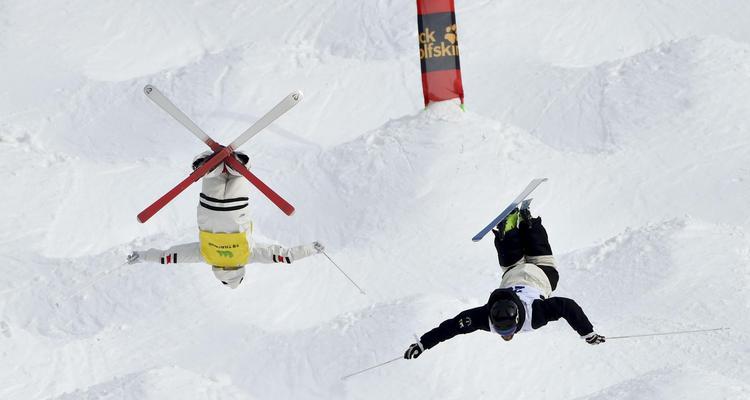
<point x="523" y="302"/>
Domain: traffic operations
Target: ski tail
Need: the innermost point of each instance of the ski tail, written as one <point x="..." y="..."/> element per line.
<point x="525" y="193"/>
<point x="286" y="104"/>
<point x="165" y="104"/>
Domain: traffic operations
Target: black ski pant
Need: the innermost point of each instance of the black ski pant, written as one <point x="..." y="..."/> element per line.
<point x="528" y="240"/>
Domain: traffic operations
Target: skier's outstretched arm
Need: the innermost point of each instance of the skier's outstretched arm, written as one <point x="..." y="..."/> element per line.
<point x="182" y="253"/>
<point x="273" y="253"/>
<point x="465" y="322"/>
<point x="555" y="308"/>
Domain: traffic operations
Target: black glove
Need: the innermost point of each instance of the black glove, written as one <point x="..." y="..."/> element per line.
<point x="594" y="338"/>
<point x="414" y="351"/>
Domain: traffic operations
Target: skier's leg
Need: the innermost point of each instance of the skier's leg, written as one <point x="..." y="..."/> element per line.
<point x="214" y="184"/>
<point x="229" y="205"/>
<point x="535" y="239"/>
<point x="212" y="187"/>
<point x="537" y="249"/>
<point x="223" y="204"/>
<point x="508" y="243"/>
<point x="237" y="187"/>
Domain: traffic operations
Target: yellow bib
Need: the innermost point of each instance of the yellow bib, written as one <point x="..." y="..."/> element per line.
<point x="225" y="249"/>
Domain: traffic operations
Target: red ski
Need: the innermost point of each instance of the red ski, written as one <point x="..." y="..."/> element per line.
<point x="223" y="154"/>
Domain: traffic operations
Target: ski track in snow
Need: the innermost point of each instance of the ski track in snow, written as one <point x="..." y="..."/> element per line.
<point x="636" y="113"/>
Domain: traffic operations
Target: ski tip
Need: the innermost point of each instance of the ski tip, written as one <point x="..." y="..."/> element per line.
<point x="148" y="89"/>
<point x="140" y="219"/>
<point x="297" y="96"/>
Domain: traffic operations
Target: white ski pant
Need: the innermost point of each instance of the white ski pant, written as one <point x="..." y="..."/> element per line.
<point x="525" y="272"/>
<point x="224" y="203"/>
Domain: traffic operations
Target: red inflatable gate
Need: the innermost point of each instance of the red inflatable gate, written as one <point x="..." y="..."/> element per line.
<point x="438" y="51"/>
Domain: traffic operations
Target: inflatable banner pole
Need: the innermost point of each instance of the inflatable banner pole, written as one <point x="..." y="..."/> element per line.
<point x="438" y="51"/>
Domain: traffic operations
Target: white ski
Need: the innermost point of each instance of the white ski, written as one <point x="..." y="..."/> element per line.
<point x="529" y="188"/>
<point x="279" y="109"/>
<point x="165" y="104"/>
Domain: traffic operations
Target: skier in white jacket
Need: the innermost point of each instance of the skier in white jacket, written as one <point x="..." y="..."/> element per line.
<point x="225" y="230"/>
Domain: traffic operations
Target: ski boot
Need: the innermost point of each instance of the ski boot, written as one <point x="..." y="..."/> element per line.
<point x="524" y="213"/>
<point x="508" y="223"/>
<point x="203" y="157"/>
<point x="242" y="158"/>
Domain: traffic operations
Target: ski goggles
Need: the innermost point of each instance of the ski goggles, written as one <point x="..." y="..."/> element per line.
<point x="504" y="331"/>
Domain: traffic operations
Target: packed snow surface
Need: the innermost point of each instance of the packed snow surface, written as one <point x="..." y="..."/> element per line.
<point x="637" y="112"/>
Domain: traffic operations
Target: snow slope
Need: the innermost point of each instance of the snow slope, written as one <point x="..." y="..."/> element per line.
<point x="637" y="112"/>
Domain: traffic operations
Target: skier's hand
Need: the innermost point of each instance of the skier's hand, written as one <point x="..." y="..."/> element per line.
<point x="414" y="351"/>
<point x="594" y="338"/>
<point x="318" y="247"/>
<point x="134" y="258"/>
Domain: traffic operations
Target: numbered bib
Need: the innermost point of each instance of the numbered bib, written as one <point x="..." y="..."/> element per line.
<point x="527" y="295"/>
<point x="224" y="249"/>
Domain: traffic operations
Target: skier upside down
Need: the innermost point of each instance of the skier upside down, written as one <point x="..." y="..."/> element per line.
<point x="225" y="237"/>
<point x="523" y="302"/>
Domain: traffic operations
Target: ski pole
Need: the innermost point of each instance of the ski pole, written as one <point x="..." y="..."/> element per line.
<point x="666" y="333"/>
<point x="373" y="367"/>
<point x="344" y="273"/>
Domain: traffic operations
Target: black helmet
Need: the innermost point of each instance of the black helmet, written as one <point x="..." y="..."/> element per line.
<point x="504" y="317"/>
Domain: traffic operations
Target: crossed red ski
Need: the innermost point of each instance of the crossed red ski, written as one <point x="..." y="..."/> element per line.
<point x="287" y="208"/>
<point x="222" y="154"/>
